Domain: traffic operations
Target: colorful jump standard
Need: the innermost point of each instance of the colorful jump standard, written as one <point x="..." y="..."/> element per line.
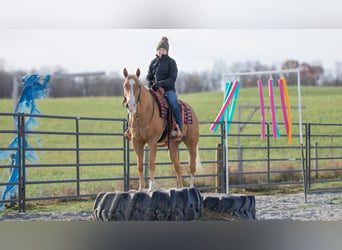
<point x="224" y="106"/>
<point x="232" y="108"/>
<point x="225" y="114"/>
<point x="231" y="91"/>
<point x="273" y="112"/>
<point x="289" y="132"/>
<point x="270" y="72"/>
<point x="283" y="107"/>
<point x="262" y="109"/>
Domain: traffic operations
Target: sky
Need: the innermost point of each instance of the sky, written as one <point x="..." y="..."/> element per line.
<point x="83" y="36"/>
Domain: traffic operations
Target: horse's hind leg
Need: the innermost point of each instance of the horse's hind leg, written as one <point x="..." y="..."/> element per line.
<point x="192" y="148"/>
<point x="173" y="154"/>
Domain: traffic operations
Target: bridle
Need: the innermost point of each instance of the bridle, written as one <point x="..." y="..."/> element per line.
<point x="138" y="100"/>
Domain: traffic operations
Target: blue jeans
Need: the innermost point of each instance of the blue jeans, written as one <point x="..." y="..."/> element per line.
<point x="171" y="98"/>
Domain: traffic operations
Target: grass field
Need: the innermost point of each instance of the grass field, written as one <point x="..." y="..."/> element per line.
<point x="322" y="105"/>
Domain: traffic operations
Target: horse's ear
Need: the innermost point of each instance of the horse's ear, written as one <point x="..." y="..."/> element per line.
<point x="138" y="72"/>
<point x="125" y="72"/>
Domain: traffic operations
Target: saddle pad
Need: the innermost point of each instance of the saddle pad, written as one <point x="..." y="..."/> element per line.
<point x="163" y="108"/>
<point x="185" y="112"/>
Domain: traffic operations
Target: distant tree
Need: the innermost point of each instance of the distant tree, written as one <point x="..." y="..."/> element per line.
<point x="290" y="64"/>
<point x="6" y="84"/>
<point x="338" y="73"/>
<point x="333" y="77"/>
<point x="187" y="82"/>
<point x="251" y="66"/>
<point x="220" y="66"/>
<point x="291" y="79"/>
<point x="105" y="86"/>
<point x="65" y="87"/>
<point x="310" y="74"/>
<point x="190" y="82"/>
<point x="2" y="64"/>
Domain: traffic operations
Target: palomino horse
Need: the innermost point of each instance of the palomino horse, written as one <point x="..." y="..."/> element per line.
<point x="146" y="126"/>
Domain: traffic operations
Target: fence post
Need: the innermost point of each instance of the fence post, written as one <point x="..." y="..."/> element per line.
<point x="268" y="153"/>
<point x="240" y="164"/>
<point x="77" y="157"/>
<point x="306" y="158"/>
<point x="14" y="165"/>
<point x="308" y="161"/>
<point x="224" y="159"/>
<point x="316" y="160"/>
<point x="126" y="158"/>
<point x="21" y="165"/>
<point x="219" y="167"/>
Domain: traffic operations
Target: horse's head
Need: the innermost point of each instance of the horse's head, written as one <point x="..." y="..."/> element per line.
<point x="131" y="88"/>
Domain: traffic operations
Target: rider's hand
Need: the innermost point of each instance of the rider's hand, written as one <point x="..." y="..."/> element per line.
<point x="155" y="86"/>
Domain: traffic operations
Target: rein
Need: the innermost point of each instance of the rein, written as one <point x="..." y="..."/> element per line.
<point x="136" y="115"/>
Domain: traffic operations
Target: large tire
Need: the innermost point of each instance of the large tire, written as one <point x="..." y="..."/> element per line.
<point x="170" y="205"/>
<point x="228" y="207"/>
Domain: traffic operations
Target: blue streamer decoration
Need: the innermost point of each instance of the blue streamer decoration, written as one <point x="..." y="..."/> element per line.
<point x="33" y="89"/>
<point x="232" y="108"/>
<point x="225" y="114"/>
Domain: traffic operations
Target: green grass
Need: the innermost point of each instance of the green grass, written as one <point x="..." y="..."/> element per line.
<point x="322" y="105"/>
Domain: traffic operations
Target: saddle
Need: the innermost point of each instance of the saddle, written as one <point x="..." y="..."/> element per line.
<point x="166" y="113"/>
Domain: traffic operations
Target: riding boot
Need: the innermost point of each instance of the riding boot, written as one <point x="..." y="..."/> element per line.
<point x="177" y="132"/>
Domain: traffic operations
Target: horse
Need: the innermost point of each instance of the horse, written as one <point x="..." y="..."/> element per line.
<point x="147" y="126"/>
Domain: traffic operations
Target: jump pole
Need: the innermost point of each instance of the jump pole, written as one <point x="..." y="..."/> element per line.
<point x="270" y="72"/>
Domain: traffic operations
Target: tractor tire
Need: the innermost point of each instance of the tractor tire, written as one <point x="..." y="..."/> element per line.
<point x="163" y="205"/>
<point x="228" y="207"/>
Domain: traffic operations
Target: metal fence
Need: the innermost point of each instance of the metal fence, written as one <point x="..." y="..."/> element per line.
<point x="82" y="156"/>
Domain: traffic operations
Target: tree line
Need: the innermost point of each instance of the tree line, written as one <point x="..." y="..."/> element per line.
<point x="187" y="82"/>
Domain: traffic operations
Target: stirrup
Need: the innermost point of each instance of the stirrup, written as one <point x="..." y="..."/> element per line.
<point x="180" y="138"/>
<point x="176" y="133"/>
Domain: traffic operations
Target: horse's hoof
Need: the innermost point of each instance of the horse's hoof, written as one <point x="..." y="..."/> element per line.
<point x="152" y="186"/>
<point x="192" y="181"/>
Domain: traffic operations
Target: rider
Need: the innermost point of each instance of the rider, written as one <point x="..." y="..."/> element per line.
<point x="162" y="72"/>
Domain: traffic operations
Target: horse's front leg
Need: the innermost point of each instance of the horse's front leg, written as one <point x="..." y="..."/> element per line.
<point x="139" y="150"/>
<point x="152" y="164"/>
